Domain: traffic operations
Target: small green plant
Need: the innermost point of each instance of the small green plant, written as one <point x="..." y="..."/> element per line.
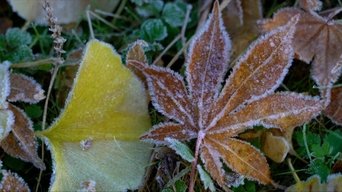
<point x="15" y="46"/>
<point x="321" y="151"/>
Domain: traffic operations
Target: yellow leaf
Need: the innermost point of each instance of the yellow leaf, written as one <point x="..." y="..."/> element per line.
<point x="96" y="137"/>
<point x="65" y="11"/>
<point x="275" y="147"/>
<point x="314" y="183"/>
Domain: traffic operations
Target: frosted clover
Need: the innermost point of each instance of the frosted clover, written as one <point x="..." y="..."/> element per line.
<point x="214" y="117"/>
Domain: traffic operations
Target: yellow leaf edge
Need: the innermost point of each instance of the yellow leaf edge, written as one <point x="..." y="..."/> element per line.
<point x="314" y="183"/>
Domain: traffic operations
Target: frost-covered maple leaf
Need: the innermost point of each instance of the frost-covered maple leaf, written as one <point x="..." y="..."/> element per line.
<point x="201" y="110"/>
<point x="317" y="39"/>
<point x="241" y="18"/>
<point x="334" y="109"/>
<point x="16" y="132"/>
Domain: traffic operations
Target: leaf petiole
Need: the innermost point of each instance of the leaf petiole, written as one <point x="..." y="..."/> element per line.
<point x="200" y="137"/>
<point x="306" y="143"/>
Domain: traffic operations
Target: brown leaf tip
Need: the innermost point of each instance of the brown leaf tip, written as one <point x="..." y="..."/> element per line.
<point x="12" y="182"/>
<point x="136" y="51"/>
<point x="25" y="89"/>
<point x="310" y="5"/>
<point x="216" y="18"/>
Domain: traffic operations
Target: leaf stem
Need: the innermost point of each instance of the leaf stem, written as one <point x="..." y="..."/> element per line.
<point x="306" y="143"/>
<point x="166" y="49"/>
<point x="91" y="31"/>
<point x="35" y="63"/>
<point x="46" y="104"/>
<point x="293" y="171"/>
<point x="200" y="138"/>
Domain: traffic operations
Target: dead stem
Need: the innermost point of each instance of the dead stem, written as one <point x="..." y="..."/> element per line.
<point x="166" y="49"/>
<point x="118" y="12"/>
<point x="295" y="176"/>
<point x="200" y="138"/>
<point x="33" y="63"/>
<point x="179" y="53"/>
<point x="185" y="24"/>
<point x="205" y="9"/>
<point x="92" y="36"/>
<point x="102" y="19"/>
<point x="58" y="42"/>
<point x="224" y="4"/>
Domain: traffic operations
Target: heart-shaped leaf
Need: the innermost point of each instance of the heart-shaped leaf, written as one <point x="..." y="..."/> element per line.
<point x="95" y="139"/>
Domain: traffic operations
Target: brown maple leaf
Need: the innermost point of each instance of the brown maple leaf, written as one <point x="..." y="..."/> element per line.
<point x="17" y="135"/>
<point x="12" y="182"/>
<point x="240" y="18"/>
<point x="317" y="39"/>
<point x="310" y="5"/>
<point x="334" y="109"/>
<point x="200" y="110"/>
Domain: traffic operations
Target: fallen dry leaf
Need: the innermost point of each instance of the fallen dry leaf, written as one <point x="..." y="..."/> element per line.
<point x="12" y="182"/>
<point x="275" y="147"/>
<point x="18" y="139"/>
<point x="310" y="5"/>
<point x="274" y="142"/>
<point x="334" y="109"/>
<point x="240" y="18"/>
<point x="215" y="117"/>
<point x="317" y="39"/>
<point x="25" y="89"/>
<point x="135" y="54"/>
<point x="234" y="14"/>
<point x="21" y="142"/>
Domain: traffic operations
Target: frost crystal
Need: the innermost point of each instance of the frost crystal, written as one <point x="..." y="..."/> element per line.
<point x="87" y="186"/>
<point x="86" y="144"/>
<point x="5" y="84"/>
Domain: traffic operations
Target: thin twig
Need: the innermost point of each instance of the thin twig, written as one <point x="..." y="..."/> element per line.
<point x="305" y="142"/>
<point x="76" y="36"/>
<point x="103" y="20"/>
<point x="326" y="87"/>
<point x="33" y="63"/>
<point x="148" y="172"/>
<point x="26" y="25"/>
<point x="58" y="42"/>
<point x="285" y="87"/>
<point x="179" y="53"/>
<point x="293" y="171"/>
<point x="166" y="49"/>
<point x="205" y="12"/>
<point x="200" y="138"/>
<point x="185" y="24"/>
<point x="92" y="36"/>
<point x="98" y="11"/>
<point x="224" y="4"/>
<point x="120" y="9"/>
<point x="46" y="104"/>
